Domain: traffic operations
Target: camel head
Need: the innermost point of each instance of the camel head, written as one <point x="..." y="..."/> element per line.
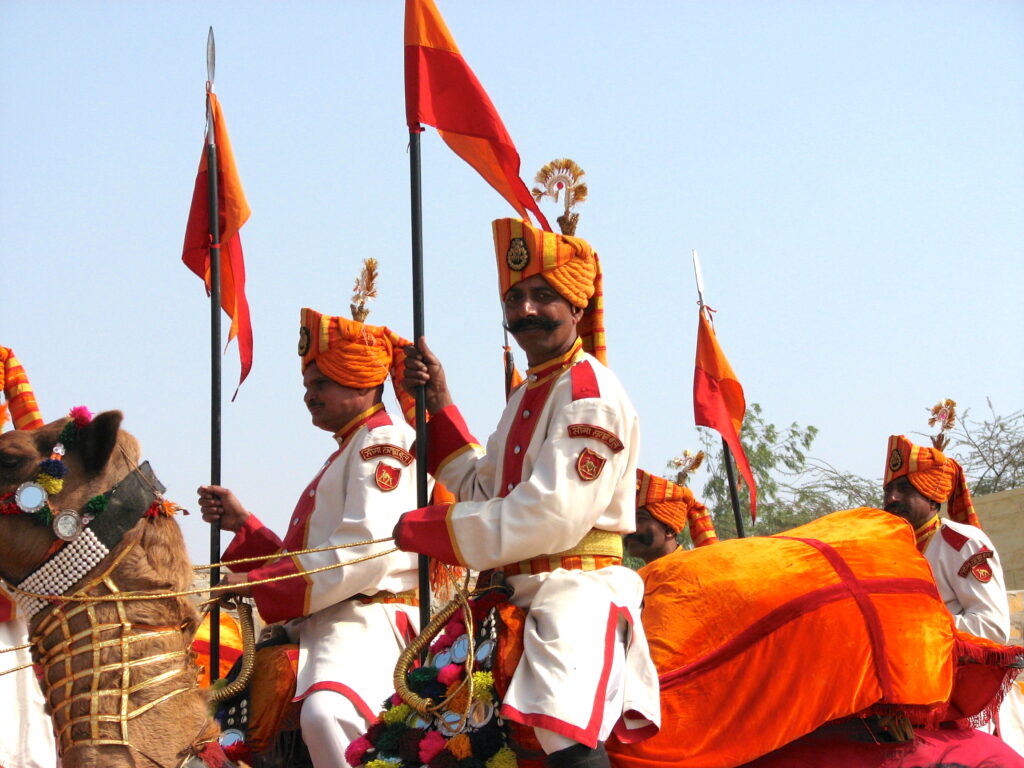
<point x="97" y="455"/>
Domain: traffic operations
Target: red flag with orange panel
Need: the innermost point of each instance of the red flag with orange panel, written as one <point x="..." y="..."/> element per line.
<point x="441" y="90"/>
<point x="233" y="212"/>
<point x="718" y="400"/>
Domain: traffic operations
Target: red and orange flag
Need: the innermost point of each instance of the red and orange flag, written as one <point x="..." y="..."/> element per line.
<point x="441" y="90"/>
<point x="718" y="400"/>
<point x="233" y="213"/>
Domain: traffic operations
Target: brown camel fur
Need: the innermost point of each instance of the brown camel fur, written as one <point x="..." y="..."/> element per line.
<point x="156" y="561"/>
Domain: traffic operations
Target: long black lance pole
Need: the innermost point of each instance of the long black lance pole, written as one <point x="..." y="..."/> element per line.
<point x="734" y="495"/>
<point x="422" y="499"/>
<point x="730" y="473"/>
<point x="215" y="353"/>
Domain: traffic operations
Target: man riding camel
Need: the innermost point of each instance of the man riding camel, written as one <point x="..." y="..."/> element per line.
<point x="547" y="503"/>
<point x="663" y="509"/>
<point x="351" y="623"/>
<point x="966" y="565"/>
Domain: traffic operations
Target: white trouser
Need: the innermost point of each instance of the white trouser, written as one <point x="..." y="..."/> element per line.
<point x="553" y="742"/>
<point x="26" y="733"/>
<point x="329" y="724"/>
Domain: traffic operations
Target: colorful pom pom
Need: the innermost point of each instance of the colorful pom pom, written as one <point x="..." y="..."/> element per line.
<point x="454" y="628"/>
<point x="52" y="485"/>
<point x="80" y="415"/>
<point x="375" y="731"/>
<point x="409" y="745"/>
<point x="420" y="677"/>
<point x="503" y="758"/>
<point x="355" y="751"/>
<point x="460" y="746"/>
<point x="449" y="674"/>
<point x="397" y="714"/>
<point x="96" y="504"/>
<point x="483" y="685"/>
<point x="488" y="741"/>
<point x="388" y="741"/>
<point x="443" y="643"/>
<point x="430" y="746"/>
<point x="54" y="468"/>
<point x="7" y="505"/>
<point x="457" y="698"/>
<point x="444" y="759"/>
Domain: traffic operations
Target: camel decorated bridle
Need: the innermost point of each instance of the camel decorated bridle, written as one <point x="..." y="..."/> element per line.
<point x="74" y="629"/>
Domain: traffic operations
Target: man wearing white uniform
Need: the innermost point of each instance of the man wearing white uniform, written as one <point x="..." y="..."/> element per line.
<point x="351" y="622"/>
<point x="966" y="566"/>
<point x="26" y="733"/>
<point x="548" y="502"/>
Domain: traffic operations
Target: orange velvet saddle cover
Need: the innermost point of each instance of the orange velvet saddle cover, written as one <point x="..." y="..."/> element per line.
<point x="759" y="641"/>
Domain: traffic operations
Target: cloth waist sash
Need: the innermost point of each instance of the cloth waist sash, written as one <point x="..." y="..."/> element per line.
<point x="598" y="549"/>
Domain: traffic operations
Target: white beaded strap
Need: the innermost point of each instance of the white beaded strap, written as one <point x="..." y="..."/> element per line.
<point x="58" y="574"/>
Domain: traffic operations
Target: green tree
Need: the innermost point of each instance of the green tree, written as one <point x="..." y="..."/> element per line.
<point x="792" y="487"/>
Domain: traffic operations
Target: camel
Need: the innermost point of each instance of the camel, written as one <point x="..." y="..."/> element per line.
<point x="119" y="676"/>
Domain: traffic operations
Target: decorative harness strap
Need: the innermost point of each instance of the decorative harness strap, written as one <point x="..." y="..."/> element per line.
<point x="128" y="502"/>
<point x="107" y="712"/>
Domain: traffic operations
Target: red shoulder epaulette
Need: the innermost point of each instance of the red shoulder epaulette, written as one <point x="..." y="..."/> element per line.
<point x="955" y="539"/>
<point x="380" y="419"/>
<point x="584" y="381"/>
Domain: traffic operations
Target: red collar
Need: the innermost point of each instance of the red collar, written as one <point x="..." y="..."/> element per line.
<point x="539" y="374"/>
<point x="344" y="434"/>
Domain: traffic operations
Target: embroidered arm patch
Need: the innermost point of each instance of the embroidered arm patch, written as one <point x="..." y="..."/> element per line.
<point x="597" y="433"/>
<point x="976" y="566"/>
<point x="589" y="464"/>
<point x="387" y="449"/>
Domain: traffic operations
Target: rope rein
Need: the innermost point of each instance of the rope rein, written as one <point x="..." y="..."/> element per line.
<point x="117" y="596"/>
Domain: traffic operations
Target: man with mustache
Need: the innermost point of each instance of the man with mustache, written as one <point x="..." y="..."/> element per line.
<point x="352" y="622"/>
<point x="663" y="509"/>
<point x="966" y="566"/>
<point x="547" y="504"/>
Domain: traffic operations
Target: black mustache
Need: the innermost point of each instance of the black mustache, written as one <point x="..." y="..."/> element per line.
<point x="646" y="538"/>
<point x="531" y="324"/>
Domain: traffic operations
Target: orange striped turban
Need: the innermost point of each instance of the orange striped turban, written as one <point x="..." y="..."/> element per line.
<point x="674" y="505"/>
<point x="569" y="265"/>
<point x="933" y="474"/>
<point x="354" y="354"/>
<point x="21" y="400"/>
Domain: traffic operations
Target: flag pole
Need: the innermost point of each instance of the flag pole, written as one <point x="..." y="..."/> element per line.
<point x="730" y="472"/>
<point x="422" y="498"/>
<point x="215" y="353"/>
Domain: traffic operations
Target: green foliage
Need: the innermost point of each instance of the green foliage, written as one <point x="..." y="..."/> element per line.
<point x="792" y="487"/>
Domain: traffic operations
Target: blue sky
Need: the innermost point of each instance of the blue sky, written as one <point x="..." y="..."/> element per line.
<point x="850" y="173"/>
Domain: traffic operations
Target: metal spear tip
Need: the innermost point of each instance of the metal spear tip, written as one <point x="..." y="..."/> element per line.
<point x="211" y="58"/>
